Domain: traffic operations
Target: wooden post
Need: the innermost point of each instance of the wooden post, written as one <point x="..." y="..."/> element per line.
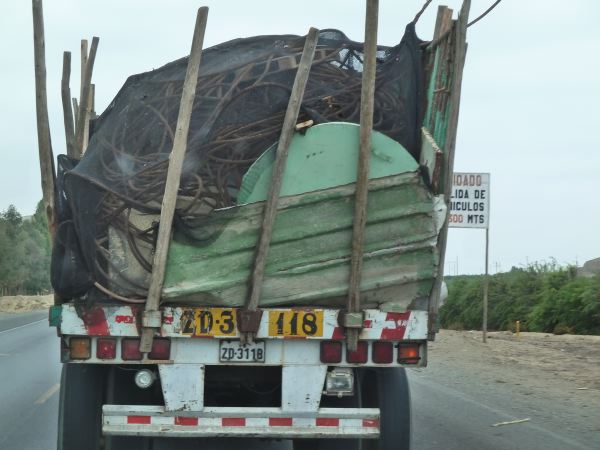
<point x="83" y="64"/>
<point x="246" y="323"/>
<point x="66" y="102"/>
<point x="75" y="115"/>
<point x="43" y="126"/>
<point x="460" y="52"/>
<point x="151" y="318"/>
<point x="486" y="285"/>
<point x="353" y="321"/>
<point x="85" y="98"/>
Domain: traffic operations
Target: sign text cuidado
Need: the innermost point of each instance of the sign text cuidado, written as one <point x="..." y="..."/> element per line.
<point x="470" y="200"/>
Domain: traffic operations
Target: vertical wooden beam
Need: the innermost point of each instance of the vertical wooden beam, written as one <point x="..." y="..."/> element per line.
<point x="43" y="126"/>
<point x="75" y="118"/>
<point x="66" y="102"/>
<point x="245" y="322"/>
<point x="460" y="52"/>
<point x="353" y="322"/>
<point x="83" y="64"/>
<point x="85" y="97"/>
<point x="93" y="101"/>
<point x="151" y="316"/>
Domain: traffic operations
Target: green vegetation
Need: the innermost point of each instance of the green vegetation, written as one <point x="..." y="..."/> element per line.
<point x="24" y="252"/>
<point x="544" y="297"/>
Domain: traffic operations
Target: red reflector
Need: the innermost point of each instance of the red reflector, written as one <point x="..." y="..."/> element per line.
<point x="370" y="423"/>
<point x="328" y="422"/>
<point x="138" y="420"/>
<point x="233" y="421"/>
<point x="408" y="353"/>
<point x="106" y="348"/>
<point x="383" y="352"/>
<point x="130" y="349"/>
<point x="161" y="349"/>
<point x="360" y="355"/>
<point x="280" y="421"/>
<point x="186" y="421"/>
<point x="331" y="352"/>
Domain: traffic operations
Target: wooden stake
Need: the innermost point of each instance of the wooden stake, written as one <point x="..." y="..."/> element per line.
<point x="43" y="126"/>
<point x="362" y="178"/>
<point x="460" y="52"/>
<point x="85" y="98"/>
<point x="150" y="316"/>
<point x="66" y="102"/>
<point x="83" y="62"/>
<point x="287" y="132"/>
<point x="75" y="115"/>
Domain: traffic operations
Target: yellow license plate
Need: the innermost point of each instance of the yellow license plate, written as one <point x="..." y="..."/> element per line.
<point x="296" y="323"/>
<point x="209" y="322"/>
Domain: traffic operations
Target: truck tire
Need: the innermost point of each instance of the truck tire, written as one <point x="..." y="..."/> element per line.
<point x="80" y="407"/>
<point x="386" y="389"/>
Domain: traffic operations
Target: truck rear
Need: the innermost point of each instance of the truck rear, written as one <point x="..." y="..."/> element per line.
<point x="204" y="362"/>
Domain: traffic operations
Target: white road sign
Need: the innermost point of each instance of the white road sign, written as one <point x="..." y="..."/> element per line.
<point x="470" y="200"/>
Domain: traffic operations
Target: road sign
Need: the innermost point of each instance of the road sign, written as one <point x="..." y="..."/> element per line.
<point x="470" y="200"/>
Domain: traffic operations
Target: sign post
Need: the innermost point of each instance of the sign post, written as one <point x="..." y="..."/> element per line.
<point x="470" y="208"/>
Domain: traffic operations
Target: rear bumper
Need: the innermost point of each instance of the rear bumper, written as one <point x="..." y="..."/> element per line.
<point x="135" y="420"/>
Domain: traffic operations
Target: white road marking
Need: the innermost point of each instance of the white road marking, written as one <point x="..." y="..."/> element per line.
<point x="46" y="395"/>
<point x="23" y="326"/>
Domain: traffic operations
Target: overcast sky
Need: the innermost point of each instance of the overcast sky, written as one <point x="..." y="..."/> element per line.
<point x="530" y="101"/>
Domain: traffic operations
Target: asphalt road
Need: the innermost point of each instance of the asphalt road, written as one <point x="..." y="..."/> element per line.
<point x="445" y="415"/>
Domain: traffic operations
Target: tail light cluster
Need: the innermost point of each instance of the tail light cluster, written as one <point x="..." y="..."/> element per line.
<point x="382" y="352"/>
<point x="106" y="348"/>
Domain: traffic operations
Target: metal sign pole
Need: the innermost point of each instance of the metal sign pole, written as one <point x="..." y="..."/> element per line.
<point x="486" y="283"/>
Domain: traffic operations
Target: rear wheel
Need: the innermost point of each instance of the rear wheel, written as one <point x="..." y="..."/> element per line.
<point x="84" y="388"/>
<point x="80" y="407"/>
<point x="386" y="389"/>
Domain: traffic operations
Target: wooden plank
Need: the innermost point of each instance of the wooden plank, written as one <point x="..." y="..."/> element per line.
<point x="367" y="101"/>
<point x="75" y="110"/>
<point x="287" y="132"/>
<point x="460" y="52"/>
<point x="431" y="159"/>
<point x="84" y="100"/>
<point x="66" y="102"/>
<point x="173" y="175"/>
<point x="43" y="126"/>
<point x="83" y="64"/>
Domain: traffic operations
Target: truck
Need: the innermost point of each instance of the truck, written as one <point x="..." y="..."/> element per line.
<point x="286" y="312"/>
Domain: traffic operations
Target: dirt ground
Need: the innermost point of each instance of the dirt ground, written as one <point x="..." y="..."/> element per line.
<point x="23" y="303"/>
<point x="565" y="369"/>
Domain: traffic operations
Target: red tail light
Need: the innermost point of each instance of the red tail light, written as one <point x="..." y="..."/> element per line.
<point x="106" y="348"/>
<point x="130" y="349"/>
<point x="360" y="355"/>
<point x="383" y="352"/>
<point x="331" y="352"/>
<point x="161" y="349"/>
<point x="408" y="353"/>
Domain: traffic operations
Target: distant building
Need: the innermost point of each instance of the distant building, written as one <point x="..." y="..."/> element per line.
<point x="590" y="268"/>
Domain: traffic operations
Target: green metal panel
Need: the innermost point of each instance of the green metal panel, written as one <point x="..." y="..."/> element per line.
<point x="324" y="156"/>
<point x="54" y="316"/>
<point x="308" y="262"/>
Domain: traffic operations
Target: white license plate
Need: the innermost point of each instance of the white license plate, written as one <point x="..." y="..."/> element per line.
<point x="234" y="352"/>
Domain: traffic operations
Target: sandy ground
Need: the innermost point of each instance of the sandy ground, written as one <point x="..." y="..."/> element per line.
<point x="572" y="361"/>
<point x="23" y="303"/>
<point x="554" y="379"/>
